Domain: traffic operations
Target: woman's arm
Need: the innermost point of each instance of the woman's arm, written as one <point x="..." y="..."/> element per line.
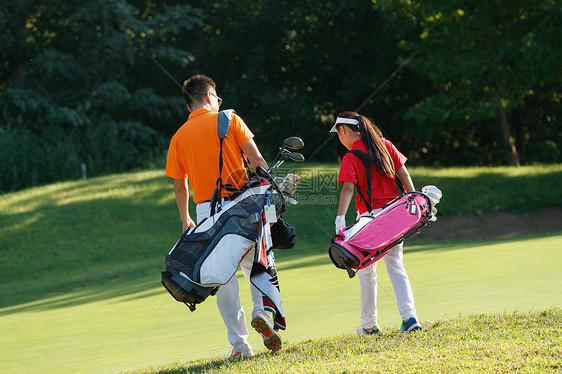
<point x="346" y="195"/>
<point x="406" y="179"/>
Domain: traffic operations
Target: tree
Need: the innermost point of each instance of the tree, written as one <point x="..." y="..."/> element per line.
<point x="84" y="72"/>
<point x="290" y="67"/>
<point x="487" y="60"/>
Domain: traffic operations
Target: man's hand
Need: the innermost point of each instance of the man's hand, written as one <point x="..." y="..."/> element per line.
<point x="188" y="224"/>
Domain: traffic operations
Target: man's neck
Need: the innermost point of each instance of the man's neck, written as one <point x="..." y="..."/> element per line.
<point x="196" y="107"/>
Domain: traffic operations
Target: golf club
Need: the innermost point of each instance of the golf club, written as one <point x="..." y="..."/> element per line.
<point x="293" y="143"/>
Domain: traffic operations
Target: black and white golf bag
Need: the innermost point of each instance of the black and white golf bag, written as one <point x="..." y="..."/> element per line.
<point x="208" y="255"/>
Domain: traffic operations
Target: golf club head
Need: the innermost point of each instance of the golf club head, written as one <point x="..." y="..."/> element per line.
<point x="293" y="142"/>
<point x="295" y="156"/>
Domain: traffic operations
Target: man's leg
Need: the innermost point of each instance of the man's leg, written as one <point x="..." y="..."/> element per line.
<point x="230" y="307"/>
<point x="232" y="313"/>
<point x="246" y="266"/>
<point x="261" y="321"/>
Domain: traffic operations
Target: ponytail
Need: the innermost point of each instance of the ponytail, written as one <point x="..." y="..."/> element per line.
<point x="372" y="137"/>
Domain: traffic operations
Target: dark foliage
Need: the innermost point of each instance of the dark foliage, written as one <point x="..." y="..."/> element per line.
<point x="96" y="82"/>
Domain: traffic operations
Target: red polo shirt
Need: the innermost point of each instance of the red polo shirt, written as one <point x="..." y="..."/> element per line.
<point x="383" y="188"/>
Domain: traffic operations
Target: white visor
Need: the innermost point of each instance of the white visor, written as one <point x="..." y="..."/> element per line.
<point x="348" y="121"/>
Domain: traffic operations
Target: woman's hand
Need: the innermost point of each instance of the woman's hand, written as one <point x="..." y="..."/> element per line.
<point x="340" y="223"/>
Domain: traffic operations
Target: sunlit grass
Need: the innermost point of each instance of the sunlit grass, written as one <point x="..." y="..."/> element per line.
<point x="131" y="322"/>
<point x="81" y="261"/>
<point x="481" y="343"/>
<point x="75" y="233"/>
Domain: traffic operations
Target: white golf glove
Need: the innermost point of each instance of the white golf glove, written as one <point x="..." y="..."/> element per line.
<point x="340" y="222"/>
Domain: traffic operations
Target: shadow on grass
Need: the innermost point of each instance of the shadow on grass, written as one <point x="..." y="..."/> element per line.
<point x="144" y="286"/>
<point x="452" y="245"/>
<point x="197" y="368"/>
<point x="215" y="365"/>
<point x="409" y="247"/>
<point x="137" y="289"/>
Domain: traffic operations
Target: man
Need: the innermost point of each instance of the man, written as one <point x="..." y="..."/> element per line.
<point x="193" y="158"/>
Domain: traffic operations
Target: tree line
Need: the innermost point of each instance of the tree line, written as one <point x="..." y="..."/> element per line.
<point x="95" y="84"/>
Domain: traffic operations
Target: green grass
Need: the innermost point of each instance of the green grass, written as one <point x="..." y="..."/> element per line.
<point x="78" y="233"/>
<point x="80" y="266"/>
<point x="133" y="324"/>
<point x="479" y="343"/>
<point x="483" y="189"/>
<point x="465" y="189"/>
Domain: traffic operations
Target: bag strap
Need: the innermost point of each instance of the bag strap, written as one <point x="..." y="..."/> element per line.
<point x="225" y="117"/>
<point x="399" y="185"/>
<point x="366" y="162"/>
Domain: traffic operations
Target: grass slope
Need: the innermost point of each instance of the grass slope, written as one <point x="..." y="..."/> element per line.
<point x="80" y="292"/>
<point x="479" y="343"/>
<point x="133" y="324"/>
<point x="78" y="233"/>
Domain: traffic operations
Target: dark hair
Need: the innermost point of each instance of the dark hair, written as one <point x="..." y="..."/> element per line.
<point x="195" y="88"/>
<point x="373" y="139"/>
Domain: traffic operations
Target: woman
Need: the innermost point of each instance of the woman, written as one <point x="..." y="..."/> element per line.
<point x="357" y="132"/>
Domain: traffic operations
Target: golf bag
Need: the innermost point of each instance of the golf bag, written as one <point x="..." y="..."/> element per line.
<point x="207" y="255"/>
<point x="371" y="237"/>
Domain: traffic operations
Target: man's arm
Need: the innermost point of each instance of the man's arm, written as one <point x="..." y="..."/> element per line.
<point x="182" y="200"/>
<point x="251" y="150"/>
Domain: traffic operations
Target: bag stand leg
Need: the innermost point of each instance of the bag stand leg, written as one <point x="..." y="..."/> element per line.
<point x="350" y="271"/>
<point x="191" y="306"/>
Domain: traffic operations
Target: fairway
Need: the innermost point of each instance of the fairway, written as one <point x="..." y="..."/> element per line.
<point x="133" y="324"/>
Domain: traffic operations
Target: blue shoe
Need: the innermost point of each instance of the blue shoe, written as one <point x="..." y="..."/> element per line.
<point x="373" y="331"/>
<point x="410" y="325"/>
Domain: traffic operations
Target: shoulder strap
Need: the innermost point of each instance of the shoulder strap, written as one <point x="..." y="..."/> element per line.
<point x="399" y="185"/>
<point x="225" y="117"/>
<point x="365" y="160"/>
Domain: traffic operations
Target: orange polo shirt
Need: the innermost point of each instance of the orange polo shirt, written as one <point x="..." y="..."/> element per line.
<point x="194" y="153"/>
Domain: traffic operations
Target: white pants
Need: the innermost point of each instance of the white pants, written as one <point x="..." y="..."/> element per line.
<point x="228" y="298"/>
<point x="393" y="261"/>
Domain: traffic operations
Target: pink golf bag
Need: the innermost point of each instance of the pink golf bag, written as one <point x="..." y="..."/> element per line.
<point x="371" y="237"/>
